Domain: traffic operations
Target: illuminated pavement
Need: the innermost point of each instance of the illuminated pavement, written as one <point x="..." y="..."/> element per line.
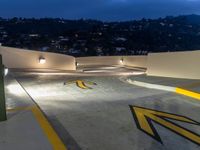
<point x="21" y="131"/>
<point x="93" y="112"/>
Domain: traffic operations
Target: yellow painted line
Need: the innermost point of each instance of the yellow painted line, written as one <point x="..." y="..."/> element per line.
<point x="81" y="84"/>
<point x="188" y="93"/>
<point x="48" y="130"/>
<point x="18" y="108"/>
<point x="177" y="90"/>
<point x="45" y="125"/>
<point x="143" y="116"/>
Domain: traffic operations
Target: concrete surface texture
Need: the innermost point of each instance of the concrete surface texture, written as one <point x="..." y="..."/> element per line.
<point x="174" y="64"/>
<point x="21" y="131"/>
<point x="20" y="58"/>
<point x="99" y="117"/>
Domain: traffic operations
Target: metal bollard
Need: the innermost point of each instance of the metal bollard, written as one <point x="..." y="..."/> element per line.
<point x="3" y="116"/>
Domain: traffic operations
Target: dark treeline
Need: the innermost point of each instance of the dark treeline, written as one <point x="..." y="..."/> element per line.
<point x="92" y="37"/>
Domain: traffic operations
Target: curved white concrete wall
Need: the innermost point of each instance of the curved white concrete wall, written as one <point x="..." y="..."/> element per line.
<point x="174" y="64"/>
<point x="20" y="58"/>
<point x="135" y="61"/>
<point x="99" y="60"/>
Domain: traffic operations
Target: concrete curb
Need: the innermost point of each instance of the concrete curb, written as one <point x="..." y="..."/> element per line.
<point x="152" y="86"/>
<point x="166" y="88"/>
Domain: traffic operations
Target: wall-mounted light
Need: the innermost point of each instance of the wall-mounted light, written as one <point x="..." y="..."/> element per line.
<point x="42" y="60"/>
<point x="5" y="71"/>
<point x="121" y="60"/>
<point x="77" y="64"/>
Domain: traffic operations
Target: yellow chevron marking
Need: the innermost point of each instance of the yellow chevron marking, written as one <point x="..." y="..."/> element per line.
<point x="144" y="117"/>
<point x="81" y="84"/>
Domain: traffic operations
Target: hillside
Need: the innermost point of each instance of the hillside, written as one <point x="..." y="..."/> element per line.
<point x="92" y="37"/>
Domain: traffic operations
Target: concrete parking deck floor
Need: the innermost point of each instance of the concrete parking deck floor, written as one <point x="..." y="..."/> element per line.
<point x="97" y="116"/>
<point x="22" y="130"/>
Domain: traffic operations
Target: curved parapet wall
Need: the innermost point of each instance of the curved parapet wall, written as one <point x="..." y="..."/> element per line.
<point x="20" y="58"/>
<point x="99" y="60"/>
<point x="134" y="61"/>
<point x="174" y="64"/>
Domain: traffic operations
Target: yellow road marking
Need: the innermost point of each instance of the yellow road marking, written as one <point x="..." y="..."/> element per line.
<point x="144" y="118"/>
<point x="19" y="108"/>
<point x="45" y="125"/>
<point x="188" y="93"/>
<point x="82" y="84"/>
<point x="49" y="131"/>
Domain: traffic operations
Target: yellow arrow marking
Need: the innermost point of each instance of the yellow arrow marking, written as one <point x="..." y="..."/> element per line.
<point x="144" y="117"/>
<point x="81" y="84"/>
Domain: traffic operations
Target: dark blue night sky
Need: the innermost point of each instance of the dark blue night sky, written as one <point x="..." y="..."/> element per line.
<point x="107" y="10"/>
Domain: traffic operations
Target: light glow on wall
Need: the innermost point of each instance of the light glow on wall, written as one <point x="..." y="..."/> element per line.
<point x="5" y="71"/>
<point x="121" y="61"/>
<point x="42" y="60"/>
